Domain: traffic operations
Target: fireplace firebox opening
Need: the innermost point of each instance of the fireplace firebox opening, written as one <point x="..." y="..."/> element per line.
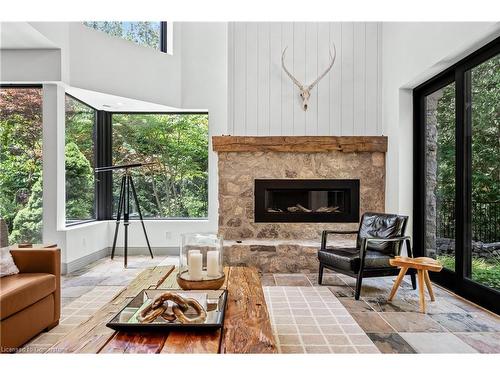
<point x="314" y="200"/>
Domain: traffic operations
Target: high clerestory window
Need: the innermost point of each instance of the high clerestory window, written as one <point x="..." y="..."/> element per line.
<point x="148" y="34"/>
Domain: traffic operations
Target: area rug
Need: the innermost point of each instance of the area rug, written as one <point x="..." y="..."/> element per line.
<point x="312" y="320"/>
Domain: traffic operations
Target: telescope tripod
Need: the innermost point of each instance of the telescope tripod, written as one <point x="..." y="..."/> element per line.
<point x="127" y="185"/>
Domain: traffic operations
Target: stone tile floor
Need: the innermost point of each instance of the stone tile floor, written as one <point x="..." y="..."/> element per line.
<point x="452" y="324"/>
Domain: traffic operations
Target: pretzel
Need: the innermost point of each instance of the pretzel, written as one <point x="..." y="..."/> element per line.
<point x="201" y="313"/>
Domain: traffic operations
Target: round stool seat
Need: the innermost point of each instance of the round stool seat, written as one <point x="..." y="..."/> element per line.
<point x="423" y="265"/>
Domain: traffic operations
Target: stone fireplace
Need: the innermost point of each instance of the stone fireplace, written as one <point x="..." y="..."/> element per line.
<point x="277" y="194"/>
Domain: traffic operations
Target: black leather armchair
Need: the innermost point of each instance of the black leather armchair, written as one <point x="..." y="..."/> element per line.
<point x="380" y="237"/>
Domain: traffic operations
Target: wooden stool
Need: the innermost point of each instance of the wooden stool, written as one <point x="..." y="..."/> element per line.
<point x="423" y="265"/>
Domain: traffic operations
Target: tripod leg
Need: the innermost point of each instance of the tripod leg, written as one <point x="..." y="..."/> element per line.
<point x="134" y="193"/>
<point x="118" y="215"/>
<point x="126" y="218"/>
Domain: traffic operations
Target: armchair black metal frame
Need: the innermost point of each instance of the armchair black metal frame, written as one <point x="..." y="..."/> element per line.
<point x="368" y="272"/>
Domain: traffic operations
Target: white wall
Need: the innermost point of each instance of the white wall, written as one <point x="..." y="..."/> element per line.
<point x="58" y="34"/>
<point x="86" y="239"/>
<point x="53" y="165"/>
<point x="30" y="65"/>
<point x="264" y="101"/>
<point x="203" y="50"/>
<point x="112" y="65"/>
<point x="411" y="54"/>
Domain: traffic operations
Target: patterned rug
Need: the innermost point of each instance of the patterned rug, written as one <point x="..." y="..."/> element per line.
<point x="312" y="320"/>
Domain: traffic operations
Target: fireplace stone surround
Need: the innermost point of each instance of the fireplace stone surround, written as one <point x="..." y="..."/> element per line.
<point x="290" y="246"/>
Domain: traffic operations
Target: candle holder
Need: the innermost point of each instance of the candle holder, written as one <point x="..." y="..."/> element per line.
<point x="200" y="262"/>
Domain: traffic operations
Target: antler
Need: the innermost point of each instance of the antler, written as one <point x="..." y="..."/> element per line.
<point x="299" y="85"/>
<point x="327" y="69"/>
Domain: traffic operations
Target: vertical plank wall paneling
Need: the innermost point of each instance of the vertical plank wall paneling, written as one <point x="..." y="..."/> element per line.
<point x="264" y="101"/>
<point x="252" y="76"/>
<point x="238" y="80"/>
<point x="348" y="80"/>
<point x="323" y="93"/>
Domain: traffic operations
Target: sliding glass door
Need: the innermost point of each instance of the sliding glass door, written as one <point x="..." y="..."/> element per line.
<point x="457" y="175"/>
<point x="483" y="114"/>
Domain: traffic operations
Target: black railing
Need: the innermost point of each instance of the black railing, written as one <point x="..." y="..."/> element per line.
<point x="485" y="220"/>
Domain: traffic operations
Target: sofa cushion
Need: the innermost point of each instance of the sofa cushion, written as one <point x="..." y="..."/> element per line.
<point x="22" y="290"/>
<point x="348" y="259"/>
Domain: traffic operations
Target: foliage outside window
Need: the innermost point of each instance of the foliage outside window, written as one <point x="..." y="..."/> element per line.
<point x="21" y="182"/>
<point x="144" y="33"/>
<point x="79" y="152"/>
<point x="177" y="185"/>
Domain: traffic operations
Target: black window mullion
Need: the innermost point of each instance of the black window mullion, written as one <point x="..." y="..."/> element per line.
<point x="460" y="176"/>
<point x="104" y="159"/>
<point x="467" y="180"/>
<point x="163" y="37"/>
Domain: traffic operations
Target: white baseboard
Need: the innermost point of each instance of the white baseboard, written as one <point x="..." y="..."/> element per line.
<point x="79" y="263"/>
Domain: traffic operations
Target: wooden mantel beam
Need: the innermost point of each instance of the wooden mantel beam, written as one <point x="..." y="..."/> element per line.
<point x="227" y="143"/>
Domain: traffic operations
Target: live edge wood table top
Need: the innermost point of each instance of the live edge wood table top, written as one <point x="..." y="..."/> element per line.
<point x="247" y="328"/>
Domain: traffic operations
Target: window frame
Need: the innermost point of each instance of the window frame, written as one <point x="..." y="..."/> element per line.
<point x="163" y="45"/>
<point x="94" y="140"/>
<point x="108" y="208"/>
<point x="103" y="156"/>
<point x="458" y="281"/>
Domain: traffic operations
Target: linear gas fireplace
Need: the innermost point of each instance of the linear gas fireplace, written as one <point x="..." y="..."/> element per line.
<point x="316" y="201"/>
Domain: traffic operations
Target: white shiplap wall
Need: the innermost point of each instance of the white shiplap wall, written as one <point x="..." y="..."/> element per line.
<point x="264" y="101"/>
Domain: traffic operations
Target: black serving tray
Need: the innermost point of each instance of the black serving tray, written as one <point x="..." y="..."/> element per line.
<point x="126" y="319"/>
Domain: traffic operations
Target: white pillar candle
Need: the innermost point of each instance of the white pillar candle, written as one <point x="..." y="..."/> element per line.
<point x="195" y="265"/>
<point x="196" y="251"/>
<point x="213" y="263"/>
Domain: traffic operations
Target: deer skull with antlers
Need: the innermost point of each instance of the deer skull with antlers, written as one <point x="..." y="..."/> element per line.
<point x="305" y="90"/>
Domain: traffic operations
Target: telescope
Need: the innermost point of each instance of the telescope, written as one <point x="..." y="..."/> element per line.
<point x="123" y="166"/>
<point x="127" y="186"/>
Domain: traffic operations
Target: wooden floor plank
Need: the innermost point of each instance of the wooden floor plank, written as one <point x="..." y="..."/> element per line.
<point x="247" y="328"/>
<point x="91" y="335"/>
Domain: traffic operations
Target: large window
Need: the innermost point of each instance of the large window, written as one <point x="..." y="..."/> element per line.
<point x="176" y="186"/>
<point x="483" y="83"/>
<point x="21" y="183"/>
<point x="79" y="150"/>
<point x="149" y="34"/>
<point x="457" y="175"/>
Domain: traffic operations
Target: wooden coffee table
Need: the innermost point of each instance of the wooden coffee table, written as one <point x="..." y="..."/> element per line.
<point x="423" y="265"/>
<point x="247" y="328"/>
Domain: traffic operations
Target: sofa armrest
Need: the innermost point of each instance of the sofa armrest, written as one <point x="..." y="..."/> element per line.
<point x="44" y="260"/>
